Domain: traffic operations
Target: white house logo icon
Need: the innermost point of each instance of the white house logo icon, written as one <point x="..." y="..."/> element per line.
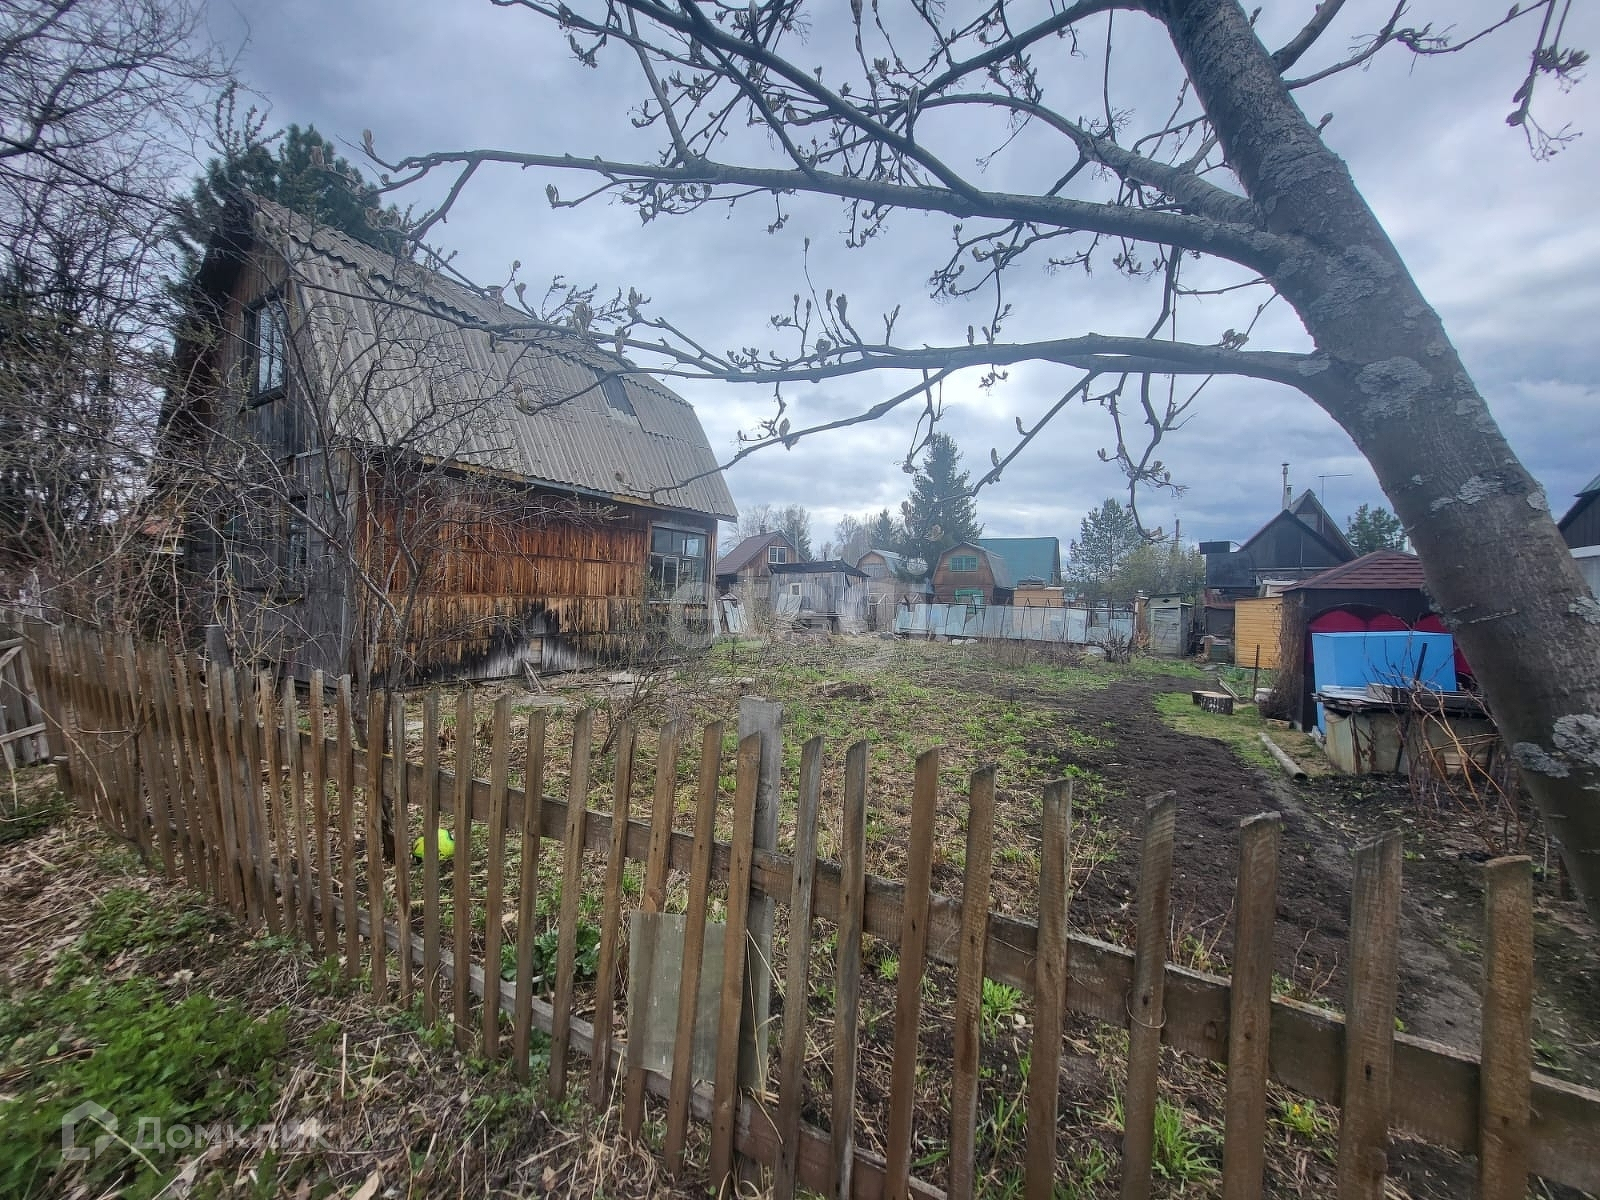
<point x="93" y="1118"/>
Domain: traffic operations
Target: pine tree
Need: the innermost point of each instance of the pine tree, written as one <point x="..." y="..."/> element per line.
<point x="882" y="532"/>
<point x="940" y="512"/>
<point x="794" y="520"/>
<point x="302" y="172"/>
<point x="1375" y="529"/>
<point x="1105" y="538"/>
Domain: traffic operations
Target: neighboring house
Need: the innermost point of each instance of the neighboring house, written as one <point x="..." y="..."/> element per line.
<point x="893" y="582"/>
<point x="1379" y="592"/>
<point x="1035" y="560"/>
<point x="747" y="568"/>
<point x="829" y="592"/>
<point x="1301" y="540"/>
<point x="553" y="493"/>
<point x="1581" y="529"/>
<point x="969" y="574"/>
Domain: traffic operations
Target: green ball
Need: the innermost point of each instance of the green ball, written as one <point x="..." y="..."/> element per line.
<point x="447" y="846"/>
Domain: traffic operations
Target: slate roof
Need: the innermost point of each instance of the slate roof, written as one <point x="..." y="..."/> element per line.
<point x="819" y="566"/>
<point x="1028" y="557"/>
<point x="530" y="403"/>
<point x="736" y="559"/>
<point x="1382" y="570"/>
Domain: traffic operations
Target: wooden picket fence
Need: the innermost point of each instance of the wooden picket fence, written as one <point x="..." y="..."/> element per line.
<point x="215" y="776"/>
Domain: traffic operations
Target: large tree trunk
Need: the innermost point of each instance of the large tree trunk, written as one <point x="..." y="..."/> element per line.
<point x="1496" y="565"/>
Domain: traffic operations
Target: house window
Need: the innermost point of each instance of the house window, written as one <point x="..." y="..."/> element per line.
<point x="611" y="387"/>
<point x="962" y="563"/>
<point x="677" y="558"/>
<point x="267" y="335"/>
<point x="296" y="542"/>
<point x="777" y="554"/>
<point x="969" y="596"/>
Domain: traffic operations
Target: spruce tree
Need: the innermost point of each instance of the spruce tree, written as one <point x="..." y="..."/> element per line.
<point x="940" y="512"/>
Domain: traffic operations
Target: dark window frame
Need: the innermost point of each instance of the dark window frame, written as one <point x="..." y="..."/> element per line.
<point x="777" y="555"/>
<point x="671" y="548"/>
<point x="255" y="350"/>
<point x="616" y="397"/>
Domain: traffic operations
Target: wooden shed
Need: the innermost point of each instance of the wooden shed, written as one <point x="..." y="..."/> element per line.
<point x="1257" y="626"/>
<point x="383" y="471"/>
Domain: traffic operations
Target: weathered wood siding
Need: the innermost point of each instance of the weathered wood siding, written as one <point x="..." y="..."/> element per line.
<point x="946" y="583"/>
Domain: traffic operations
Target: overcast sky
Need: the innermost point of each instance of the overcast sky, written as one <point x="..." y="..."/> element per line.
<point x="1506" y="248"/>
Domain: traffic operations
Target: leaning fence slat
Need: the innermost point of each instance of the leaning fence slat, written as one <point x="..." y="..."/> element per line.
<point x="178" y="756"/>
<point x="796" y="987"/>
<point x="652" y="899"/>
<point x="847" y="977"/>
<point x="461" y="879"/>
<point x="250" y="739"/>
<point x="430" y="857"/>
<point x="214" y="716"/>
<point x="125" y="697"/>
<point x="194" y="757"/>
<point x="299" y="824"/>
<point x="373" y="797"/>
<point x="694" y="941"/>
<point x="725" y="1090"/>
<point x="1369" y="1019"/>
<point x="1147" y="1003"/>
<point x="611" y="920"/>
<point x="158" y="780"/>
<point x="402" y="849"/>
<point x="571" y="882"/>
<point x="1050" y="990"/>
<point x="272" y="742"/>
<point x="1507" y="1029"/>
<point x="969" y="983"/>
<point x="1250" y="1008"/>
<point x="322" y="832"/>
<point x="344" y="716"/>
<point x="235" y="764"/>
<point x="527" y="892"/>
<point x="495" y="883"/>
<point x="913" y="963"/>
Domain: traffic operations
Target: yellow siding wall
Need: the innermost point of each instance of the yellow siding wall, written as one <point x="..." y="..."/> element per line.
<point x="1256" y="623"/>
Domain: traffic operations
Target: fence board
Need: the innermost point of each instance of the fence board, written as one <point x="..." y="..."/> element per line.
<point x="1146" y="1006"/>
<point x="430" y="857"/>
<point x="652" y="899"/>
<point x="235" y="764"/>
<point x="1369" y="1013"/>
<point x="461" y="878"/>
<point x="401" y="841"/>
<point x="121" y="688"/>
<point x="611" y="921"/>
<point x="273" y="794"/>
<point x="725" y="1089"/>
<point x="1507" y="1029"/>
<point x="1250" y="1007"/>
<point x="320" y="856"/>
<point x="298" y="822"/>
<point x="969" y="982"/>
<point x="495" y="883"/>
<point x="212" y="716"/>
<point x="373" y="800"/>
<point x="571" y="882"/>
<point x="796" y="989"/>
<point x="527" y="895"/>
<point x="153" y="760"/>
<point x="1049" y="988"/>
<point x="694" y="941"/>
<point x="247" y="767"/>
<point x="189" y="797"/>
<point x="765" y="718"/>
<point x="851" y="916"/>
<point x="201" y="787"/>
<point x="345" y="757"/>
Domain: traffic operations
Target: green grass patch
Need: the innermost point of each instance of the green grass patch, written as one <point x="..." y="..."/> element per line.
<point x="1240" y="732"/>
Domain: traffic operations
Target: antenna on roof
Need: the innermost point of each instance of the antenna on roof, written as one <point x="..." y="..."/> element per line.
<point x="1287" y="498"/>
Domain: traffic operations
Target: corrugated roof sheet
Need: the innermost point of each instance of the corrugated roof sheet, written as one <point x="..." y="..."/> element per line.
<point x="404" y="348"/>
<point x="1382" y="570"/>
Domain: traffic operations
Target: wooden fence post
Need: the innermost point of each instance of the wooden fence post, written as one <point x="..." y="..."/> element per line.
<point x="344" y="717"/>
<point x="430" y="857"/>
<point x="913" y="963"/>
<point x="1050" y="989"/>
<point x="495" y="882"/>
<point x="461" y="877"/>
<point x="1369" y="1019"/>
<point x="969" y="983"/>
<point x="766" y="718"/>
<point x="401" y="840"/>
<point x="847" y="976"/>
<point x="571" y="884"/>
<point x="1146" y="1006"/>
<point x="611" y="920"/>
<point x="320" y="816"/>
<point x="527" y="890"/>
<point x="1250" y="1008"/>
<point x="1506" y="1073"/>
<point x="377" y="944"/>
<point x="694" y="941"/>
<point x="796" y="989"/>
<point x="725" y="1088"/>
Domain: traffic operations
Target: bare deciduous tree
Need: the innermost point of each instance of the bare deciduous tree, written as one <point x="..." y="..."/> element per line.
<point x="1234" y="173"/>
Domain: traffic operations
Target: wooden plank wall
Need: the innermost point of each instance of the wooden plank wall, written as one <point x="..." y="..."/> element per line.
<point x="208" y="776"/>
